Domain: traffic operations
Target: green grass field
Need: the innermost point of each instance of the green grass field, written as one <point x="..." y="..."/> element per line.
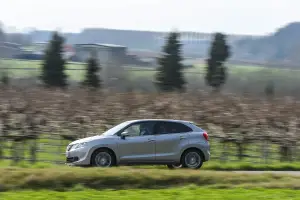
<point x="241" y="78"/>
<point x="237" y="70"/>
<point x="21" y="72"/>
<point x="182" y="193"/>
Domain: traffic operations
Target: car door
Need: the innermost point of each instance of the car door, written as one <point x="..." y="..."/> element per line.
<point x="139" y="146"/>
<point x="170" y="138"/>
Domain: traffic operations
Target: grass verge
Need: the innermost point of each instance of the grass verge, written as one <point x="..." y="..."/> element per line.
<point x="63" y="178"/>
<point x="185" y="193"/>
<point x="211" y="165"/>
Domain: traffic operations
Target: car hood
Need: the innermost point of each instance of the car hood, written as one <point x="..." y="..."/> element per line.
<point x="88" y="139"/>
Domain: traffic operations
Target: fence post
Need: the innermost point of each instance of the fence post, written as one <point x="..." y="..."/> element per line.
<point x="33" y="150"/>
<point x="22" y="150"/>
<point x="2" y="146"/>
<point x="14" y="152"/>
<point x="265" y="151"/>
<point x="224" y="155"/>
<point x="59" y="147"/>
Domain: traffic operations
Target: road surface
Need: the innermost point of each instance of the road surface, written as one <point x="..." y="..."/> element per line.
<point x="294" y="173"/>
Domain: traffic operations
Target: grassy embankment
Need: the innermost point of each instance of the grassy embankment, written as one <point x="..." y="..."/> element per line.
<point x="211" y="165"/>
<point x="63" y="178"/>
<point x="129" y="183"/>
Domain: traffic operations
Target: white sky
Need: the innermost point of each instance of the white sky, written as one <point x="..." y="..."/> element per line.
<point x="230" y="16"/>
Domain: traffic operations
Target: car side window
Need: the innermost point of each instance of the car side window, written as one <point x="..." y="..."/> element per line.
<point x="133" y="130"/>
<point x="179" y="128"/>
<point x="140" y="129"/>
<point x="160" y="128"/>
<point x="171" y="127"/>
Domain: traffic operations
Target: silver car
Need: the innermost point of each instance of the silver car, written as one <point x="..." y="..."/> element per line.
<point x="174" y="143"/>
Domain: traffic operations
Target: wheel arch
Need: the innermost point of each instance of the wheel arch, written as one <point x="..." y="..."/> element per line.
<point x="101" y="149"/>
<point x="195" y="149"/>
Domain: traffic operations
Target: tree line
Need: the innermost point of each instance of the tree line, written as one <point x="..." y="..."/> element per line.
<point x="169" y="76"/>
<point x="53" y="66"/>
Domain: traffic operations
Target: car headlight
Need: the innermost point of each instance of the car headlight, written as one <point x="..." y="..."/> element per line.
<point x="79" y="145"/>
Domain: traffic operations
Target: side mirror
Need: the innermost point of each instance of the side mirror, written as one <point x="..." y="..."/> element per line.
<point x="124" y="134"/>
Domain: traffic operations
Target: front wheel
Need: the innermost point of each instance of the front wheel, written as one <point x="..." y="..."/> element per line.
<point x="192" y="159"/>
<point x="174" y="166"/>
<point x="103" y="158"/>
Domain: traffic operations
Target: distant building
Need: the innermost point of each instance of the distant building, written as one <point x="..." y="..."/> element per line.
<point x="40" y="47"/>
<point x="111" y="57"/>
<point x="9" y="50"/>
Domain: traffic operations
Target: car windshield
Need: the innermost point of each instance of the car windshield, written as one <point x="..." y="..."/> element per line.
<point x="115" y="129"/>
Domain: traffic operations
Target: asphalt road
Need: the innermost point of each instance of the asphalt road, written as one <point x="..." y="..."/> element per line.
<point x="294" y="173"/>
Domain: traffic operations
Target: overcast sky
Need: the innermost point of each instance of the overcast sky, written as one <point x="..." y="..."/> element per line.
<point x="230" y="16"/>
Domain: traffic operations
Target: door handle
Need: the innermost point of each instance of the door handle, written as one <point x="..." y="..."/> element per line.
<point x="182" y="137"/>
<point x="151" y="140"/>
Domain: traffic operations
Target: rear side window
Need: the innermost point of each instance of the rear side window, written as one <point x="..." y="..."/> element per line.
<point x="172" y="127"/>
<point x="196" y="127"/>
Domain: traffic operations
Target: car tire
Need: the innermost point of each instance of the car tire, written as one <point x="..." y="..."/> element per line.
<point x="192" y="159"/>
<point x="103" y="158"/>
<point x="174" y="166"/>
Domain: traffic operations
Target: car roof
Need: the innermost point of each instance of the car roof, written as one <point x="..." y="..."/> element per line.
<point x="161" y="120"/>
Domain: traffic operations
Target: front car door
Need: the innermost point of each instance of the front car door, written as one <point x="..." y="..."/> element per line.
<point x="170" y="138"/>
<point x="139" y="145"/>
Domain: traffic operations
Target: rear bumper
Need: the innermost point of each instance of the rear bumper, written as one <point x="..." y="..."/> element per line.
<point x="206" y="155"/>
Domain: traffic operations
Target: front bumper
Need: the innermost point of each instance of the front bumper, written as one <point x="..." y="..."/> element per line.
<point x="71" y="159"/>
<point x="78" y="157"/>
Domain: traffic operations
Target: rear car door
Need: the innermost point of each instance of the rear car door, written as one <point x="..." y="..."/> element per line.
<point x="170" y="138"/>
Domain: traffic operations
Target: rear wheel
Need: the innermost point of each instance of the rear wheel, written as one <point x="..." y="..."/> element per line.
<point x="192" y="159"/>
<point x="103" y="158"/>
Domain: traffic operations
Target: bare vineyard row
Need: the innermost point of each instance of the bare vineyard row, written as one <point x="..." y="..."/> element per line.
<point x="25" y="114"/>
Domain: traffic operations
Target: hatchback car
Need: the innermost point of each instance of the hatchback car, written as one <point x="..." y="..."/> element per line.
<point x="175" y="143"/>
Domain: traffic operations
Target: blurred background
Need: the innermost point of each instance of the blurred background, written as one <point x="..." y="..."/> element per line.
<point x="70" y="70"/>
<point x="254" y="79"/>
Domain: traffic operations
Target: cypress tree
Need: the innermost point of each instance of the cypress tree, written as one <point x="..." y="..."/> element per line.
<point x="169" y="76"/>
<point x="216" y="72"/>
<point x="91" y="76"/>
<point x="53" y="67"/>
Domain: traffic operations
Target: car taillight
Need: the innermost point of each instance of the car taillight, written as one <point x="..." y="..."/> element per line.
<point x="205" y="135"/>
